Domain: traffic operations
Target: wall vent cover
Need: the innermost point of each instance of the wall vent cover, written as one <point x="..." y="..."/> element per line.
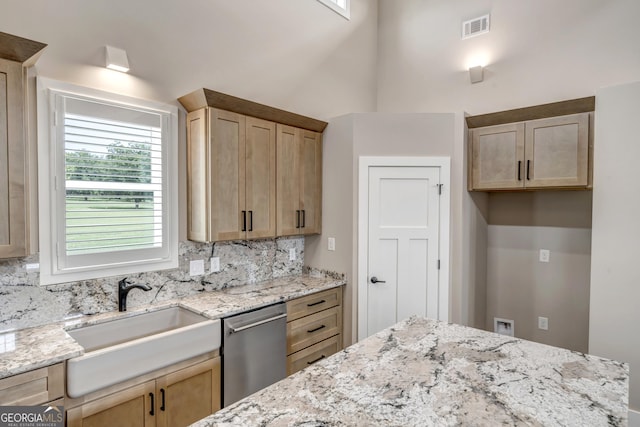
<point x="475" y="27"/>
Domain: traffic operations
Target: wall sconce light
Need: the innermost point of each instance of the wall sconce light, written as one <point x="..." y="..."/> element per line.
<point x="476" y="74"/>
<point x="116" y="59"/>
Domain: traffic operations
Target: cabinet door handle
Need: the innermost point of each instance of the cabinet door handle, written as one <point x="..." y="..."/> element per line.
<point x="316" y="303"/>
<point x="519" y="167"/>
<point x="162" y="399"/>
<point x="153" y="405"/>
<point x="310" y="331"/>
<point x="297" y="219"/>
<point x="528" y="168"/>
<point x="244" y="221"/>
<point x="316" y="360"/>
<point x="250" y="220"/>
<point x="304" y="218"/>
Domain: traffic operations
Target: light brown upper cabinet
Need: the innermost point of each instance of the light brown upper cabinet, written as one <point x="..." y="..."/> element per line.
<point x="299" y="182"/>
<point x="551" y="152"/>
<point x="253" y="171"/>
<point x="15" y="54"/>
<point x="231" y="176"/>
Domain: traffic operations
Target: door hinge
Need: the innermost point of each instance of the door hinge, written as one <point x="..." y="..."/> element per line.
<point x="438" y="264"/>
<point x="440" y="189"/>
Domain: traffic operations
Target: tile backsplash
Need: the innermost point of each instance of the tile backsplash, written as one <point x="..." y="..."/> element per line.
<point x="24" y="303"/>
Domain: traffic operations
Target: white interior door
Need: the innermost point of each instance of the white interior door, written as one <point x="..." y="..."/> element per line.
<point x="402" y="276"/>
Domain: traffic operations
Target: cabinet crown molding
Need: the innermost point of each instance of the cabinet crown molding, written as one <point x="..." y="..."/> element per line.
<point x="562" y="108"/>
<point x="201" y="98"/>
<point x="18" y="49"/>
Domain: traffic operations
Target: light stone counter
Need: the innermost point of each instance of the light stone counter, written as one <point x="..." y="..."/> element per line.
<point x="427" y="373"/>
<point x="32" y="348"/>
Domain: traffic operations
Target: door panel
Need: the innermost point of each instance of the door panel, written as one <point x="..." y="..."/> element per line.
<point x="261" y="178"/>
<point x="403" y="244"/>
<point x="288" y="180"/>
<point x="311" y="182"/>
<point x="227" y="174"/>
<point x="557" y="150"/>
<point x="498" y="153"/>
<point x="199" y="205"/>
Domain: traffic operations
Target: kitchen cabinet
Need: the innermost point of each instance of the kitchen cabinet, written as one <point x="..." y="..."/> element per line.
<point x="15" y="54"/>
<point x="175" y="399"/>
<point x="44" y="386"/>
<point x="231" y="176"/>
<point x="299" y="181"/>
<point x="553" y="152"/>
<point x="314" y="328"/>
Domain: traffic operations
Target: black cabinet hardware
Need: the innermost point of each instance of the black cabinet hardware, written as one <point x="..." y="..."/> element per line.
<point x="153" y="405"/>
<point x="519" y="167"/>
<point x="304" y="218"/>
<point x="316" y="360"/>
<point x="162" y="399"/>
<point x="250" y="220"/>
<point x="244" y="221"/>
<point x="528" y="164"/>
<point x="310" y="331"/>
<point x="297" y="219"/>
<point x="316" y="303"/>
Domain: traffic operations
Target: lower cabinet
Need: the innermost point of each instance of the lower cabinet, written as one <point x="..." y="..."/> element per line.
<point x="175" y="399"/>
<point x="44" y="386"/>
<point x="314" y="328"/>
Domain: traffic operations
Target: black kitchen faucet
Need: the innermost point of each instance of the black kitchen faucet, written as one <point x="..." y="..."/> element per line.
<point x="124" y="286"/>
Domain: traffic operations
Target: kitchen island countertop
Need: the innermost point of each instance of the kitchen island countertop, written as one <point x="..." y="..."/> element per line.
<point x="422" y="372"/>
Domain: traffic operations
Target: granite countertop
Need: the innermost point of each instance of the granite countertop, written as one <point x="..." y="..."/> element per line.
<point x="26" y="349"/>
<point x="424" y="372"/>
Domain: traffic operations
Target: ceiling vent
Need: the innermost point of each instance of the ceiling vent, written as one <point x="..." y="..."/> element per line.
<point x="475" y="27"/>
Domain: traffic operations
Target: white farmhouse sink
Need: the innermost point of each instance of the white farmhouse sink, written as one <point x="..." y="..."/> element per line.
<point x="125" y="348"/>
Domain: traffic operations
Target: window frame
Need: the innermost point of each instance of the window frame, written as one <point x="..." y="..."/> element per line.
<point x="345" y="12"/>
<point x="51" y="188"/>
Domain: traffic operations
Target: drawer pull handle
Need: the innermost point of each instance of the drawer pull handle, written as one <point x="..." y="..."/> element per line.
<point x="316" y="303"/>
<point x="519" y="167"/>
<point x="162" y="404"/>
<point x="153" y="404"/>
<point x="310" y="331"/>
<point x="317" y="360"/>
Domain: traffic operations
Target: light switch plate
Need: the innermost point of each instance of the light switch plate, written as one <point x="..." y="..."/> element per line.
<point x="331" y="243"/>
<point x="292" y="254"/>
<point x="35" y="266"/>
<point x="544" y="255"/>
<point x="196" y="267"/>
<point x="215" y="264"/>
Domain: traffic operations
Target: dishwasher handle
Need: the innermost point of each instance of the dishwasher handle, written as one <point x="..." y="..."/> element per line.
<point x="233" y="330"/>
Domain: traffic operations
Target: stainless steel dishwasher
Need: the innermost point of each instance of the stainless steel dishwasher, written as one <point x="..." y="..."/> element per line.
<point x="254" y="351"/>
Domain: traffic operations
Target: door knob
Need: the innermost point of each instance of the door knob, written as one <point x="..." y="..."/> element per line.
<point x="374" y="279"/>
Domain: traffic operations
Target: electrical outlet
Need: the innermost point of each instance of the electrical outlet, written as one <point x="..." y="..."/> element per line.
<point x="543" y="323"/>
<point x="196" y="267"/>
<point x="215" y="264"/>
<point x="292" y="254"/>
<point x="331" y="243"/>
<point x="544" y="255"/>
<point x="32" y="266"/>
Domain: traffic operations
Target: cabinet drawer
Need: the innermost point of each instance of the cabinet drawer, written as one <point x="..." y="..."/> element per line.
<point x="312" y="329"/>
<point x="313" y="303"/>
<point x="310" y="355"/>
<point x="34" y="387"/>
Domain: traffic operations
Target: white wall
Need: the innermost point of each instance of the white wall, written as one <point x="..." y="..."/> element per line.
<point x="292" y="54"/>
<point x="615" y="277"/>
<point x="537" y="51"/>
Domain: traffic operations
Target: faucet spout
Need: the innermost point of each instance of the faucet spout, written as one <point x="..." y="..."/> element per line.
<point x="124" y="286"/>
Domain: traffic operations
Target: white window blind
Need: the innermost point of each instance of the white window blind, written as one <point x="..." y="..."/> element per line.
<point x="111" y="208"/>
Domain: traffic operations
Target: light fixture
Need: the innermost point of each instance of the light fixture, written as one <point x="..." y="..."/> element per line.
<point x="116" y="59"/>
<point x="476" y="74"/>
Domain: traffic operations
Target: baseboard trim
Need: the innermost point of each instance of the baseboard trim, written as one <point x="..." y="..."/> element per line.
<point x="634" y="418"/>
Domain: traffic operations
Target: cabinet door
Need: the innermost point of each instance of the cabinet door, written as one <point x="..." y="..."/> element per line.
<point x="311" y="182"/>
<point x="12" y="162"/>
<point x="227" y="175"/>
<point x="260" y="178"/>
<point x="189" y="395"/>
<point x="497" y="161"/>
<point x="557" y="151"/>
<point x="198" y="192"/>
<point x="288" y="180"/>
<point x="132" y="407"/>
